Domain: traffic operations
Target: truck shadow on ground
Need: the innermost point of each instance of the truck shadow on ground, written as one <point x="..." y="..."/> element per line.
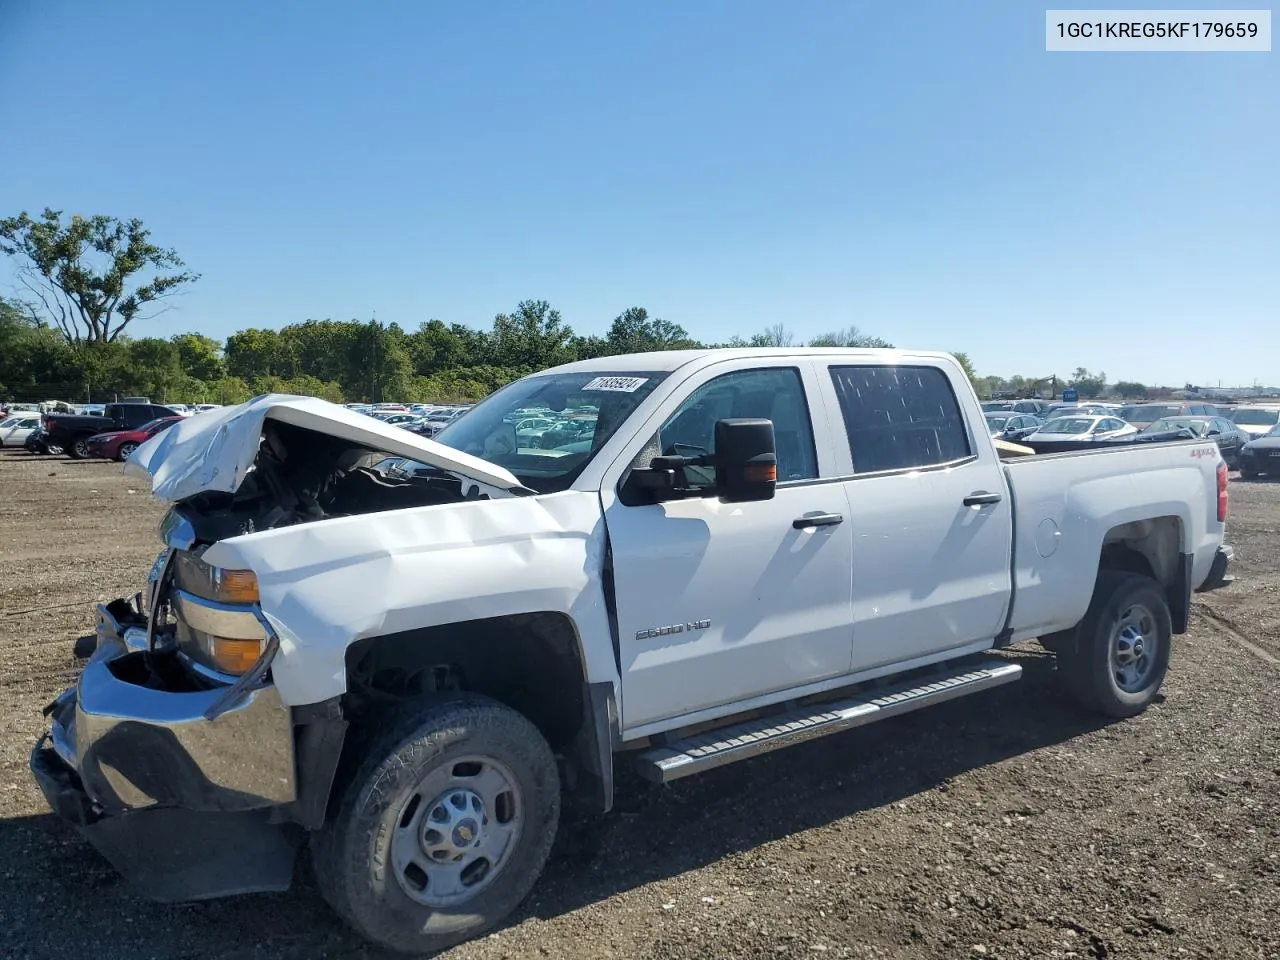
<point x="654" y="833"/>
<point x="660" y="832"/>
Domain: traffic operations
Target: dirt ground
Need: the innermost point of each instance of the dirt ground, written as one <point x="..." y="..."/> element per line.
<point x="1003" y="825"/>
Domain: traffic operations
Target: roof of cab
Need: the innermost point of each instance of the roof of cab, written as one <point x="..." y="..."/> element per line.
<point x="665" y="361"/>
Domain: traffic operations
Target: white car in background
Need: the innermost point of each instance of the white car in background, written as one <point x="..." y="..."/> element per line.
<point x="1071" y="429"/>
<point x="15" y="429"/>
<point x="1256" y="421"/>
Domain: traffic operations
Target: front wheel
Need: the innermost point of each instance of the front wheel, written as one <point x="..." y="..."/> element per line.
<point x="1117" y="659"/>
<point x="125" y="449"/>
<point x="79" y="449"/>
<point x="443" y="829"/>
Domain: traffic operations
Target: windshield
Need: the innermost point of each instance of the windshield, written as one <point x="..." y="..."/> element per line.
<point x="154" y="426"/>
<point x="1170" y="424"/>
<point x="575" y="414"/>
<point x="1147" y="412"/>
<point x="1068" y="425"/>
<point x="1255" y="417"/>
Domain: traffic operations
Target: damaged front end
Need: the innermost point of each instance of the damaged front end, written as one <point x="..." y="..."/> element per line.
<point x="175" y="754"/>
<point x="184" y="784"/>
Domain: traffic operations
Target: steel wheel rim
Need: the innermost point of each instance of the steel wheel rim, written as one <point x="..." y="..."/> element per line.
<point x="456" y="831"/>
<point x="1135" y="647"/>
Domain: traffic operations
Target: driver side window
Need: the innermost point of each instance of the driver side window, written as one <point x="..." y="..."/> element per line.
<point x="773" y="393"/>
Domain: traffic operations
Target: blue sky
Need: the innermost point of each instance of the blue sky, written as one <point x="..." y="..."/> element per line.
<point x="924" y="171"/>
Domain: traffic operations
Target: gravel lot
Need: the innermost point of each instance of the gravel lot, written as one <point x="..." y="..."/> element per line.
<point x="1005" y="825"/>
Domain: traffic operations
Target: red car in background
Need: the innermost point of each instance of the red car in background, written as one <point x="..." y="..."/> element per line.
<point x="118" y="444"/>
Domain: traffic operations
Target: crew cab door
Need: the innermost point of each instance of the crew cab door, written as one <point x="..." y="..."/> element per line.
<point x="929" y="512"/>
<point x="716" y="602"/>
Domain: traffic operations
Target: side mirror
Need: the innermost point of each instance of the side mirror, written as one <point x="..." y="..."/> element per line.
<point x="746" y="460"/>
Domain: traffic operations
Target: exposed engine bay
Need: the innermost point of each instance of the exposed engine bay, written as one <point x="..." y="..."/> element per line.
<point x="301" y="476"/>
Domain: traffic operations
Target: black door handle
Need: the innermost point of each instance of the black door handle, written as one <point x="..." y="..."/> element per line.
<point x="817" y="520"/>
<point x="980" y="498"/>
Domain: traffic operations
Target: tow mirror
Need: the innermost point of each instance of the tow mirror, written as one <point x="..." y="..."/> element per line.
<point x="746" y="460"/>
<point x="745" y="464"/>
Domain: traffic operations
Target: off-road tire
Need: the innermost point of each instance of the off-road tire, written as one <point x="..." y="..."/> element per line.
<point x="1085" y="660"/>
<point x="351" y="854"/>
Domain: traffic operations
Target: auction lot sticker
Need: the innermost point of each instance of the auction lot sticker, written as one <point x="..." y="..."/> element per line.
<point x="1158" y="31"/>
<point x="617" y="384"/>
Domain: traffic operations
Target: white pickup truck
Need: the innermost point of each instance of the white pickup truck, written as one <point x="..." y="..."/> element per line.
<point x="409" y="651"/>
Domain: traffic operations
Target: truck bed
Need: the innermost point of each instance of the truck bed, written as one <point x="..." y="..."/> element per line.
<point x="1068" y="504"/>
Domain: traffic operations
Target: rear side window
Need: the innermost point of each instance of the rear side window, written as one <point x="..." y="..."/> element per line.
<point x="900" y="418"/>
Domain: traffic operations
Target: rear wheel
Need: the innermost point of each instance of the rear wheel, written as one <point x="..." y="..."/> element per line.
<point x="1121" y="648"/>
<point x="443" y="829"/>
<point x="125" y="450"/>
<point x="79" y="449"/>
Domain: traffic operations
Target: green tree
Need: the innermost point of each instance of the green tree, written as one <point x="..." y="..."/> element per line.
<point x="155" y="367"/>
<point x="1131" y="390"/>
<point x="92" y="276"/>
<point x="777" y="335"/>
<point x="200" y="356"/>
<point x="258" y="353"/>
<point x="848" y="337"/>
<point x="967" y="366"/>
<point x="633" y="331"/>
<point x="532" y="338"/>
<point x="1088" y="384"/>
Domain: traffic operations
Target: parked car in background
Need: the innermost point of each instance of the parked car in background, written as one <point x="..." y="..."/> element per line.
<point x="1036" y="408"/>
<point x="1257" y="421"/>
<point x="1012" y="426"/>
<point x="15" y="428"/>
<point x="202" y="407"/>
<point x="71" y="432"/>
<point x="1145" y="414"/>
<point x="1073" y="429"/>
<point x="1229" y="438"/>
<point x="1262" y="455"/>
<point x="38" y="442"/>
<point x="438" y="420"/>
<point x="118" y="444"/>
<point x="396" y="419"/>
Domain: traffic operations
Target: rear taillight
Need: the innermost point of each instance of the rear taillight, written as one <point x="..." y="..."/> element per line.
<point x="50" y="424"/>
<point x="1222" y="492"/>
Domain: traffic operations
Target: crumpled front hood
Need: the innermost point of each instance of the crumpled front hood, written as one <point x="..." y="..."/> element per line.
<point x="213" y="451"/>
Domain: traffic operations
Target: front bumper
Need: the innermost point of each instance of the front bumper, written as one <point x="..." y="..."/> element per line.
<point x="1218" y="576"/>
<point x="183" y="806"/>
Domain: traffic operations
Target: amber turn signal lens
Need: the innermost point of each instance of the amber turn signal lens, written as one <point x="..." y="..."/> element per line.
<point x="762" y="474"/>
<point x="233" y="656"/>
<point x="237" y="586"/>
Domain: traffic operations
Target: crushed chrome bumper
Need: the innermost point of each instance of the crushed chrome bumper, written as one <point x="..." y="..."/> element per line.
<point x="182" y="805"/>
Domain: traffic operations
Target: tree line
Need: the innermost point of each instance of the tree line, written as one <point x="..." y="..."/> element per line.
<point x="339" y="360"/>
<point x="82" y="281"/>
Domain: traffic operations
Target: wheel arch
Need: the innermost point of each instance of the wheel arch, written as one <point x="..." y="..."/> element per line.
<point x="531" y="662"/>
<point x="1154" y="548"/>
